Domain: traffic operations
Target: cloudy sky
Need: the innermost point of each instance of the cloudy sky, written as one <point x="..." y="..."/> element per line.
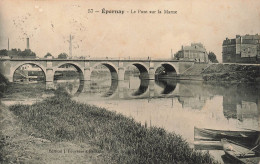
<point x="48" y="24"/>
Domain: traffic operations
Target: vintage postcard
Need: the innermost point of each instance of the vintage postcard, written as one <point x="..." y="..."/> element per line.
<point x="149" y="81"/>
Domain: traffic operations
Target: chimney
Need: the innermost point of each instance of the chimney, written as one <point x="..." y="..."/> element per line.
<point x="28" y="43"/>
<point x="8" y="44"/>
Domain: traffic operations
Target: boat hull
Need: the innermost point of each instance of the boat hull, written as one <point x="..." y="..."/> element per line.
<point x="238" y="153"/>
<point x="248" y="138"/>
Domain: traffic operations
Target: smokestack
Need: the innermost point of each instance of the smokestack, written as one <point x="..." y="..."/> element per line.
<point x="8" y="44"/>
<point x="28" y="43"/>
<point x="70" y="47"/>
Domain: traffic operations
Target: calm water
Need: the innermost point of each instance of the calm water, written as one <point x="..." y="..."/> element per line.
<point x="177" y="106"/>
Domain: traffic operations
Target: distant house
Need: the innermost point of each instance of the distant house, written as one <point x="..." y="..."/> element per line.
<point x="195" y="52"/>
<point x="29" y="67"/>
<point x="242" y="49"/>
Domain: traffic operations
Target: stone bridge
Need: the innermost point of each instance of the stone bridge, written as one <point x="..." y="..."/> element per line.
<point x="117" y="67"/>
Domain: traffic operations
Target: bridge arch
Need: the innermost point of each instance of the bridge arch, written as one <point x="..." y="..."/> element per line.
<point x="169" y="68"/>
<point x="112" y="68"/>
<point x="30" y="63"/>
<point x="75" y="65"/>
<point x="143" y="69"/>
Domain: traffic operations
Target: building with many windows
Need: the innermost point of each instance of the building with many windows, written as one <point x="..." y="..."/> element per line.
<point x="242" y="49"/>
<point x="195" y="52"/>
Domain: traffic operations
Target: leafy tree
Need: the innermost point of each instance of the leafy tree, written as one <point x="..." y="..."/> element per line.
<point x="48" y="55"/>
<point x="3" y="52"/>
<point x="178" y="55"/>
<point x="27" y="53"/>
<point x="63" y="56"/>
<point x="212" y="57"/>
<point x="13" y="53"/>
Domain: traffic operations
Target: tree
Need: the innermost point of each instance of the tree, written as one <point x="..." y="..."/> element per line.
<point x="178" y="55"/>
<point x="212" y="57"/>
<point x="13" y="53"/>
<point x="27" y="53"/>
<point x="48" y="55"/>
<point x="3" y="52"/>
<point x="63" y="56"/>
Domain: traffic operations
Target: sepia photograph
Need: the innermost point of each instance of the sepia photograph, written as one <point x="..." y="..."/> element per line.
<point x="129" y="82"/>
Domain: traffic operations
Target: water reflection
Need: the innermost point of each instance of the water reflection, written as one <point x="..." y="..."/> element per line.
<point x="132" y="88"/>
<point x="73" y="87"/>
<point x="142" y="88"/>
<point x="112" y="89"/>
<point x="168" y="85"/>
<point x="240" y="103"/>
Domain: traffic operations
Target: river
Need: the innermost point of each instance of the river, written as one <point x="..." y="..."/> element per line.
<point x="177" y="106"/>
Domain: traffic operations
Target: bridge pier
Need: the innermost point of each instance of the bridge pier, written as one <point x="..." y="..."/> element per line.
<point x="120" y="89"/>
<point x="87" y="86"/>
<point x="49" y="72"/>
<point x="151" y="88"/>
<point x="121" y="74"/>
<point x="49" y="75"/>
<point x="151" y="73"/>
<point x="49" y="85"/>
<point x="87" y="73"/>
<point x="9" y="77"/>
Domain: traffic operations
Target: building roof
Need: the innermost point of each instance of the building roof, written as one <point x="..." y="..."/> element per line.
<point x="252" y="37"/>
<point x="246" y="39"/>
<point x="195" y="47"/>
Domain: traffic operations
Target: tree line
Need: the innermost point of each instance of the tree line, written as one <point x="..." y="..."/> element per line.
<point x="27" y="53"/>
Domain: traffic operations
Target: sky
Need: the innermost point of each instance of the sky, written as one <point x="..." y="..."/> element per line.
<point x="49" y="23"/>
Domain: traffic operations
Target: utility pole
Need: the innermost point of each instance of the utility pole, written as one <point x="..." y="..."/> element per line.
<point x="70" y="46"/>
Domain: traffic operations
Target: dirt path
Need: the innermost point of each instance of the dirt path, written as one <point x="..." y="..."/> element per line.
<point x="18" y="147"/>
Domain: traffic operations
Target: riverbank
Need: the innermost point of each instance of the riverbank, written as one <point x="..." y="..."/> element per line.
<point x="232" y="73"/>
<point x="115" y="138"/>
<point x="224" y="73"/>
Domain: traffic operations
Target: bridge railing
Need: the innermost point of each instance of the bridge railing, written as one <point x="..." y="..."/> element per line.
<point x="97" y="59"/>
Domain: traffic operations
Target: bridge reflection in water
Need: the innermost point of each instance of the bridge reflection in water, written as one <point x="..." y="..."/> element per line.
<point x="239" y="101"/>
<point x="114" y="89"/>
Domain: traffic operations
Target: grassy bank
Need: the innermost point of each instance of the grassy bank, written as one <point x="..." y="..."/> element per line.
<point x="232" y="73"/>
<point x="117" y="138"/>
<point x="17" y="146"/>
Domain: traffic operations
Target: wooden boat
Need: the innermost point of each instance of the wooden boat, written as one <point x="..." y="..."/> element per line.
<point x="240" y="154"/>
<point x="208" y="145"/>
<point x="248" y="137"/>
